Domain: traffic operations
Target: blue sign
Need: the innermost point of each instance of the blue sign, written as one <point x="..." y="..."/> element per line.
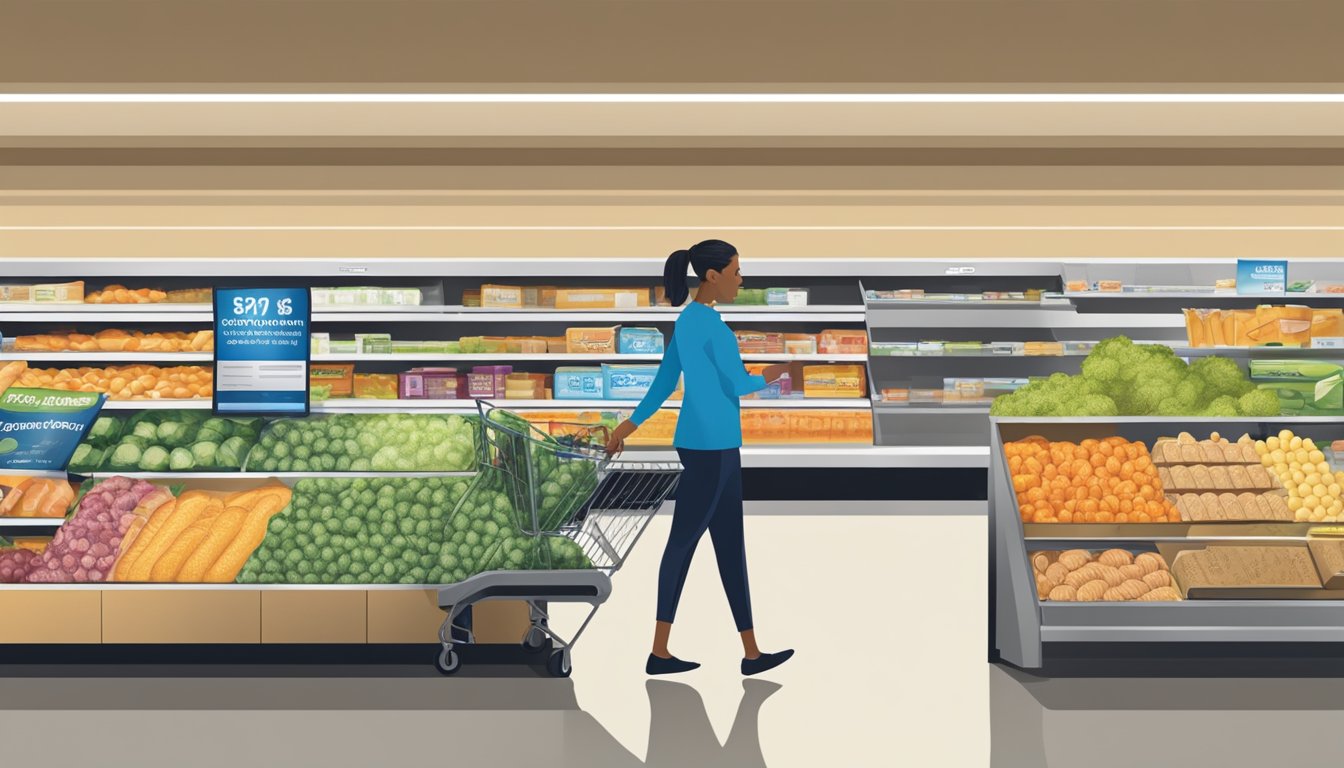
<point x="262" y="350"/>
<point x="1256" y="277"/>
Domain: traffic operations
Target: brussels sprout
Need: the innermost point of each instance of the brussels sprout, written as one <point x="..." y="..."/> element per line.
<point x="154" y="459"/>
<point x="105" y="430"/>
<point x="125" y="457"/>
<point x="232" y="452"/>
<point x="86" y="458"/>
<point x="205" y="453"/>
<point x="146" y="430"/>
<point x="172" y="434"/>
<point x="181" y="460"/>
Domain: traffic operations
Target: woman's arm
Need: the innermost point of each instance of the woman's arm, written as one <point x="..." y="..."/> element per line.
<point x="664" y="384"/>
<point x="728" y="360"/>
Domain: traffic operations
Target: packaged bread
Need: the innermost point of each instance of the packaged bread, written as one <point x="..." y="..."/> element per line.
<point x="120" y="294"/>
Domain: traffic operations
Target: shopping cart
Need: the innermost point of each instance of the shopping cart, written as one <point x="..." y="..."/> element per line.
<point x="572" y="519"/>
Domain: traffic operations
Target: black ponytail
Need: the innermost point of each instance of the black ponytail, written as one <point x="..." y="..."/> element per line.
<point x="702" y="257"/>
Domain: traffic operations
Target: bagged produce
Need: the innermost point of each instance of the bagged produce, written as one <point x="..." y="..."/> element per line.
<point x="86" y="547"/>
<point x="15" y="564"/>
<point x="166" y="441"/>
<point x="381" y="442"/>
<point x="35" y="496"/>
<point x="41" y="428"/>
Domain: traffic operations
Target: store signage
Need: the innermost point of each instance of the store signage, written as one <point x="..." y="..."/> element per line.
<point x="1256" y="277"/>
<point x="40" y="428"/>
<point x="959" y="271"/>
<point x="262" y="350"/>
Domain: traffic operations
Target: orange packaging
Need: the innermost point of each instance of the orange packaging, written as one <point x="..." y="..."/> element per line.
<point x="339" y="376"/>
<point x="1327" y="323"/>
<point x="834" y="381"/>
<point x="1289" y="325"/>
<point x="591" y="340"/>
<point x="846" y="342"/>
<point x="378" y="386"/>
<point x="659" y="430"/>
<point x="471" y="298"/>
<point x="35" y="496"/>
<point x="528" y="345"/>
<point x="1196" y="327"/>
<point x="556" y="345"/>
<point x="760" y="342"/>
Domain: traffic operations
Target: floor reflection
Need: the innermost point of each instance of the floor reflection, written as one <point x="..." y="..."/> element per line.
<point x="1100" y="722"/>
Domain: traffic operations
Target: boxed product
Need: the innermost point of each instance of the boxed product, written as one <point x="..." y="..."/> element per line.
<point x="338" y="377"/>
<point x="781" y="387"/>
<point x="591" y="340"/>
<point x="433" y="384"/>
<point x="1289" y="325"/>
<point x="540" y="296"/>
<point x="1042" y="348"/>
<point x="759" y="342"/>
<point x="380" y="386"/>
<point x="834" y="381"/>
<point x="487" y="381"/>
<point x="601" y="298"/>
<point x="934" y="348"/>
<point x="1305" y="387"/>
<point x="43" y="293"/>
<point x="1007" y="348"/>
<point x="843" y="342"/>
<point x="750" y="296"/>
<point x="393" y="296"/>
<point x="896" y="395"/>
<point x="502" y="296"/>
<point x="425" y="347"/>
<point x="640" y="341"/>
<point x="800" y="343"/>
<point x="965" y="348"/>
<point x="578" y="383"/>
<point x="525" y="386"/>
<point x="627" y="382"/>
<point x="471" y="297"/>
<point x="556" y="345"/>
<point x="777" y="297"/>
<point x="319" y="343"/>
<point x="894" y="348"/>
<point x="373" y="343"/>
<point x="343" y="347"/>
<point x="923" y="396"/>
<point x="1327" y="328"/>
<point x="798" y="297"/>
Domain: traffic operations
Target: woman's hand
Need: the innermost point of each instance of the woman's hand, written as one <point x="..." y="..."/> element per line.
<point x="616" y="443"/>
<point x="772" y="373"/>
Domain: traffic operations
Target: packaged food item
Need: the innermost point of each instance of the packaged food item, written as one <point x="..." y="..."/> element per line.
<point x="925" y="396"/>
<point x="44" y="293"/>
<point x="539" y="296"/>
<point x="373" y="343"/>
<point x="378" y="386"/>
<point x="525" y="386"/>
<point x="797" y="297"/>
<point x="401" y="296"/>
<point x="591" y="340"/>
<point x="190" y="296"/>
<point x="842" y="342"/>
<point x="339" y="377"/>
<point x="1289" y="325"/>
<point x="433" y="384"/>
<point x="1225" y="285"/>
<point x="1042" y="349"/>
<point x="527" y="345"/>
<point x="781" y="387"/>
<point x="1327" y="328"/>
<point x="319" y="344"/>
<point x="930" y="348"/>
<point x="896" y="395"/>
<point x="627" y="382"/>
<point x="641" y="341"/>
<point x="759" y="342"/>
<point x="1304" y="387"/>
<point x="601" y="298"/>
<point x="471" y="297"/>
<point x="1111" y="286"/>
<point x="964" y="348"/>
<point x="556" y="345"/>
<point x="579" y="383"/>
<point x="502" y="296"/>
<point x="1007" y="348"/>
<point x="800" y="343"/>
<point x="1302" y="286"/>
<point x="1081" y="348"/>
<point x="22" y="496"/>
<point x="488" y="381"/>
<point x="835" y="381"/>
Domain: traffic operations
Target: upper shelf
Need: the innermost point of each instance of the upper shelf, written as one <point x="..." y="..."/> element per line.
<point x="1032" y="316"/>
<point x="370" y="405"/>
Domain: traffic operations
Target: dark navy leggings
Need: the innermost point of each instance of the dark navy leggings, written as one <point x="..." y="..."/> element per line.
<point x="709" y="497"/>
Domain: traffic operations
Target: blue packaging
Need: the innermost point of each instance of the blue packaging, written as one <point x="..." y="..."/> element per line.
<point x="640" y="341"/>
<point x="628" y="382"/>
<point x="1260" y="277"/>
<point x="777" y="297"/>
<point x="40" y="428"/>
<point x="575" y="383"/>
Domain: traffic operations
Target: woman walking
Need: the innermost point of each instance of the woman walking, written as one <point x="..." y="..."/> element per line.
<point x="708" y="440"/>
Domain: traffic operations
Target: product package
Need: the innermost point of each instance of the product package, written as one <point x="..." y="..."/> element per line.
<point x="601" y="298"/>
<point x="488" y="381"/>
<point x="578" y="383"/>
<point x="800" y="343"/>
<point x="378" y="386"/>
<point x="338" y="377"/>
<point x="46" y="293"/>
<point x="846" y="342"/>
<point x="760" y="342"/>
<point x="502" y="296"/>
<point x="373" y="343"/>
<point x="1327" y="328"/>
<point x="526" y="386"/>
<point x="591" y="340"/>
<point x="627" y="382"/>
<point x="1304" y="387"/>
<point x="835" y="381"/>
<point x="24" y="496"/>
<point x="433" y="384"/>
<point x="641" y="341"/>
<point x="40" y="428"/>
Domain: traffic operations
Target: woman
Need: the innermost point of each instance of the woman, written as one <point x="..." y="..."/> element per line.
<point x="708" y="439"/>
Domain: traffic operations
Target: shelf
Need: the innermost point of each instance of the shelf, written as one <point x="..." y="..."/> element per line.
<point x="1284" y="298"/>
<point x="997" y="304"/>
<point x="1173" y="420"/>
<point x="102" y="314"/>
<point x="561" y="357"/>
<point x="143" y="586"/>
<point x="110" y="357"/>
<point x="31" y="522"/>
<point x="839" y="455"/>
<point x="928" y="409"/>
<point x="359" y="405"/>
<point x="727" y="309"/>
<point x="80" y="308"/>
<point x="201" y="403"/>
<point x="1036" y="317"/>
<point x="608" y="317"/>
<point x="1279" y="621"/>
<point x="1153" y="532"/>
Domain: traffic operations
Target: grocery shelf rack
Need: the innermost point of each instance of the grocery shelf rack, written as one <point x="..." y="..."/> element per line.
<point x="1022" y="627"/>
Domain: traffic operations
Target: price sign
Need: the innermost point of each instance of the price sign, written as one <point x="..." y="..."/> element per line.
<point x="262" y="350"/>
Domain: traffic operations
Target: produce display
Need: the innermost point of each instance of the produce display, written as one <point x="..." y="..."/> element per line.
<point x="166" y="441"/>
<point x="15" y="563"/>
<point x="35" y="497"/>
<point x="560" y="485"/>
<point x="201" y="536"/>
<point x="382" y="442"/>
<point x="1232" y="566"/>
<point x="1218" y="480"/>
<point x="1314" y="490"/>
<point x="128" y="382"/>
<point x="1291" y="325"/>
<point x="1095" y="481"/>
<point x="1116" y="575"/>
<point x="1121" y="378"/>
<point x="115" y="340"/>
<point x="86" y="547"/>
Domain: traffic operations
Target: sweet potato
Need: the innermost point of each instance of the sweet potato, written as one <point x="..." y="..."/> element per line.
<point x="173" y="558"/>
<point x="190" y="506"/>
<point x="222" y="533"/>
<point x="249" y="537"/>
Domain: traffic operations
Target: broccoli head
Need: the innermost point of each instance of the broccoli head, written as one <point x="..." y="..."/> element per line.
<point x="1225" y="405"/>
<point x="1259" y="402"/>
<point x="1221" y="376"/>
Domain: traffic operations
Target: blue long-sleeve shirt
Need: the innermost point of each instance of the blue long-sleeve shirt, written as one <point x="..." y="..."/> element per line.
<point x="704" y="350"/>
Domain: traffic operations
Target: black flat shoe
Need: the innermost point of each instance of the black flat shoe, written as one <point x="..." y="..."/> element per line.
<point x="765" y="662"/>
<point x="669" y="666"/>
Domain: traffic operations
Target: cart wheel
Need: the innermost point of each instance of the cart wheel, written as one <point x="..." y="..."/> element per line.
<point x="558" y="664"/>
<point x="535" y="640"/>
<point x="447" y="662"/>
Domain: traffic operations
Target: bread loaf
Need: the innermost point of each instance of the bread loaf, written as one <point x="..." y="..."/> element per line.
<point x="1075" y="559"/>
<point x="1132" y="571"/>
<point x="1151" y="561"/>
<point x="1115" y="558"/>
<point x="1157" y="579"/>
<point x="1056" y="574"/>
<point x="1063" y="593"/>
<point x="1092" y="591"/>
<point x="1130" y="590"/>
<point x="1160" y="594"/>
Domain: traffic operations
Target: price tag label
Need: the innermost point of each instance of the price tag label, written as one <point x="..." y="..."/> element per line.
<point x="262" y="350"/>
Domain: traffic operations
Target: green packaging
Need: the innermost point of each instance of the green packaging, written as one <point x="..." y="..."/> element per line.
<point x="1304" y="387"/>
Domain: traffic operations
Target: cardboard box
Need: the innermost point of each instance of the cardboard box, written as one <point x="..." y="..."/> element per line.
<point x="502" y="296"/>
<point x="835" y="381"/>
<point x="627" y="382"/>
<point x="1233" y="566"/>
<point x="181" y="616"/>
<point x="591" y="340"/>
<point x="760" y="342"/>
<point x="43" y="293"/>
<point x="340" y="377"/>
<point x="487" y="381"/>
<point x="404" y="616"/>
<point x="1305" y="387"/>
<point x="579" y="383"/>
<point x="433" y="384"/>
<point x="378" y="386"/>
<point x="640" y="341"/>
<point x="316" y="616"/>
<point x="843" y="342"/>
<point x="601" y="298"/>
